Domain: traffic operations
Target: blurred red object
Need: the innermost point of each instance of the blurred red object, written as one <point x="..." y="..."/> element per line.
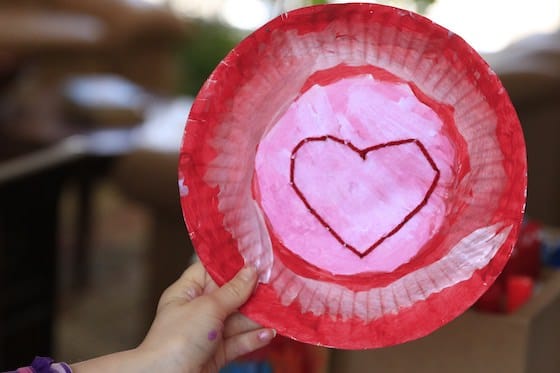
<point x="525" y="258"/>
<point x="287" y="355"/>
<point x="493" y="300"/>
<point x="514" y="286"/>
<point x="519" y="290"/>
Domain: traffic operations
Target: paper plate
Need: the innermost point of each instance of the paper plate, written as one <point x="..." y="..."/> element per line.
<point x="366" y="161"/>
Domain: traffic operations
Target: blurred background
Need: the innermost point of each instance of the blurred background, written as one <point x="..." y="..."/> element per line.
<point x="93" y="100"/>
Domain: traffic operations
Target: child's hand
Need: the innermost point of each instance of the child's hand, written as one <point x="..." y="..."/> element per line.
<point x="197" y="326"/>
<point x="196" y="329"/>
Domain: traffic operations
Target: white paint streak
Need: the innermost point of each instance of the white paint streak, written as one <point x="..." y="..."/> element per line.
<point x="470" y="254"/>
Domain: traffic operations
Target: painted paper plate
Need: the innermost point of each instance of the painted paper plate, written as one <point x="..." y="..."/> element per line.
<point x="366" y="161"/>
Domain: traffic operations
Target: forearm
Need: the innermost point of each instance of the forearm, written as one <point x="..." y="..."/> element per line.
<point x="125" y="361"/>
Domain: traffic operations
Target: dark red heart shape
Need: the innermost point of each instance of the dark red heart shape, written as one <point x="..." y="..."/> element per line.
<point x="353" y="192"/>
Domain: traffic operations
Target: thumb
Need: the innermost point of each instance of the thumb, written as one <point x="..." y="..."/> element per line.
<point x="235" y="293"/>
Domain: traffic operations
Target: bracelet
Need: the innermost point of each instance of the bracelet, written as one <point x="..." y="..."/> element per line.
<point x="45" y="365"/>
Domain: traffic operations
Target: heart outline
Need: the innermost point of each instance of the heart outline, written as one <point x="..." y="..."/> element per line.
<point x="363" y="153"/>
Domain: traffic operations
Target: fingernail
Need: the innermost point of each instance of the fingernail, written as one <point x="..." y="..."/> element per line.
<point x="248" y="273"/>
<point x="191" y="293"/>
<point x="266" y="335"/>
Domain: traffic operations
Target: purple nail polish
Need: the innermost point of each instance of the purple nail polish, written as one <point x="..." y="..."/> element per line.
<point x="212" y="335"/>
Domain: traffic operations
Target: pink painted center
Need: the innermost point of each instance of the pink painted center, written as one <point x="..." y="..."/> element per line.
<point x="355" y="193"/>
<point x="354" y="205"/>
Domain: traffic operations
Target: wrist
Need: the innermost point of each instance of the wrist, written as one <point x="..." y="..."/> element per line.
<point x="168" y="356"/>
